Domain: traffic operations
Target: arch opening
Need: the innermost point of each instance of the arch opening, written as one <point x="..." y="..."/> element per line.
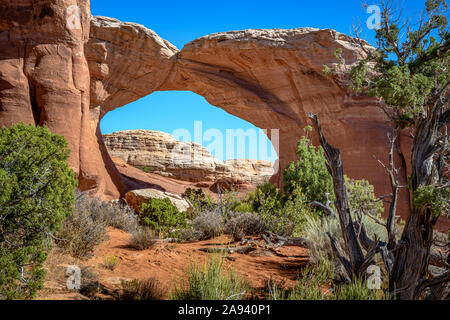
<point x="172" y="140"/>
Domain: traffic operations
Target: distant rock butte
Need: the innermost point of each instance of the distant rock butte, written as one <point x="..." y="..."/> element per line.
<point x="166" y="156"/>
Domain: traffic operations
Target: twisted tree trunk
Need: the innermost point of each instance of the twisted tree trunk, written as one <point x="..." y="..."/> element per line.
<point x="413" y="251"/>
<point x="334" y="165"/>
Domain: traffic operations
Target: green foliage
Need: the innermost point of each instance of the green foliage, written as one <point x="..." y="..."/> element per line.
<point x="401" y="88"/>
<point x="357" y="290"/>
<point x="291" y="218"/>
<point x="327" y="70"/>
<point x="210" y="282"/>
<point x="362" y="199"/>
<point x="281" y="214"/>
<point x="37" y="194"/>
<point x="313" y="278"/>
<point x="437" y="200"/>
<point x="409" y="72"/>
<point x="161" y="215"/>
<point x="242" y="206"/>
<point x="309" y="172"/>
<point x="313" y="283"/>
<point x="309" y="285"/>
<point x="315" y="232"/>
<point x="199" y="200"/>
<point x="266" y="197"/>
<point x="147" y="169"/>
<point x="358" y="75"/>
<point x="338" y="55"/>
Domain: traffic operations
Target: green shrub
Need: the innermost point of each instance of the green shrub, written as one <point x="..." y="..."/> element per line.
<point x="362" y="199"/>
<point x="266" y="197"/>
<point x="147" y="169"/>
<point x="309" y="172"/>
<point x="309" y="286"/>
<point x="210" y="282"/>
<point x="162" y="216"/>
<point x="145" y="290"/>
<point x="199" y="200"/>
<point x="288" y="218"/>
<point x="313" y="278"/>
<point x="281" y="214"/>
<point x="315" y="232"/>
<point x="36" y="194"/>
<point x="313" y="281"/>
<point x="242" y="206"/>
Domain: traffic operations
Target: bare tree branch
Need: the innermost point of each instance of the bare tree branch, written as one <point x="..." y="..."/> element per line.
<point x="334" y="165"/>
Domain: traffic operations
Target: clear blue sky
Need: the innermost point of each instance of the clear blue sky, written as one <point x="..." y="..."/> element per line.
<point x="183" y="21"/>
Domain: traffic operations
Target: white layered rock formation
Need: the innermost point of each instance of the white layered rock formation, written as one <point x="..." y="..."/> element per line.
<point x="161" y="153"/>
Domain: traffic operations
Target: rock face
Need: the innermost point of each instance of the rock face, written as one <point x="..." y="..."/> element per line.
<point x="44" y="80"/>
<point x="136" y="197"/>
<point x="164" y="155"/>
<point x="230" y="184"/>
<point x="270" y="78"/>
<point x="254" y="171"/>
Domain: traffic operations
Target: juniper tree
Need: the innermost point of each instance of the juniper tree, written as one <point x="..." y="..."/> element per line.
<point x="409" y="72"/>
<point x="36" y="194"/>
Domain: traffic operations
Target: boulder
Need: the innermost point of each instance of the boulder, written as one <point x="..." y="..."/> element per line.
<point x="136" y="198"/>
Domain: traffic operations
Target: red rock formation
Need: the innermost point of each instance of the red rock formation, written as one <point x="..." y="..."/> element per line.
<point x="44" y="80"/>
<point x="270" y="78"/>
<point x="162" y="154"/>
<point x="230" y="184"/>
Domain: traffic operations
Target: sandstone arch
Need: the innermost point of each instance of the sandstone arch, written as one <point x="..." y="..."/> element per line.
<point x="270" y="78"/>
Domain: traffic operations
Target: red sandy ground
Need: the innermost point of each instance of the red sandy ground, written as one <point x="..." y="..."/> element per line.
<point x="168" y="262"/>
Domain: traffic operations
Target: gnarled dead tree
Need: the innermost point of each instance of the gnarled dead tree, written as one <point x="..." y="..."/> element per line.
<point x="406" y="260"/>
<point x="409" y="72"/>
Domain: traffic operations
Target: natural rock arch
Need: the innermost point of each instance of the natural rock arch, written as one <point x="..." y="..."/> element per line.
<point x="270" y="78"/>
